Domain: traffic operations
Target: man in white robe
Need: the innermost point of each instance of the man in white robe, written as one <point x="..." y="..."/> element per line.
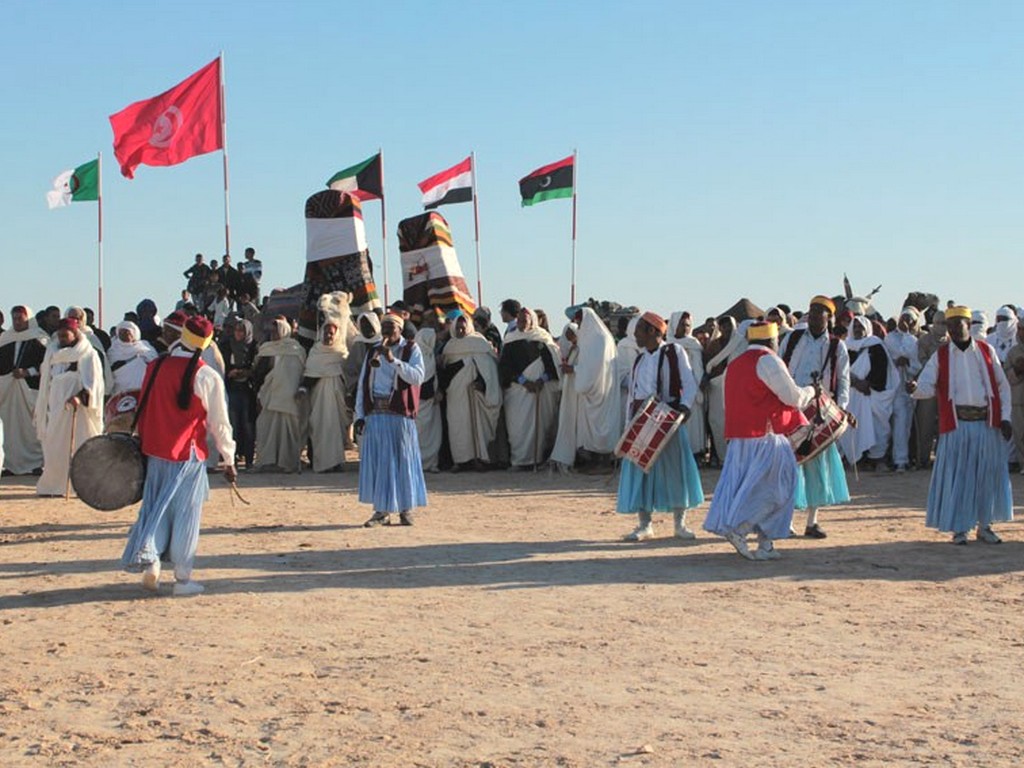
<point x="324" y="384"/>
<point x="129" y="356"/>
<point x="528" y="372"/>
<point x="77" y="313"/>
<point x="1005" y="335"/>
<point x="472" y="391"/>
<point x="626" y="353"/>
<point x="680" y="331"/>
<point x="428" y="417"/>
<point x="279" y="366"/>
<point x="563" y="455"/>
<point x="902" y="346"/>
<point x="873" y="383"/>
<point x="70" y="402"/>
<point x="363" y="334"/>
<point x="22" y="350"/>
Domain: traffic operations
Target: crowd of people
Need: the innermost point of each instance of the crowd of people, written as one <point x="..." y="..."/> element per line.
<point x="458" y="392"/>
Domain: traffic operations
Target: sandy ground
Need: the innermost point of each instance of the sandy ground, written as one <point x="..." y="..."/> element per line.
<point x="509" y="627"/>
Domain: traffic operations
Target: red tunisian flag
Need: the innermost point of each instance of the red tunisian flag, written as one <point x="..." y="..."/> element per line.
<point x="172" y="127"/>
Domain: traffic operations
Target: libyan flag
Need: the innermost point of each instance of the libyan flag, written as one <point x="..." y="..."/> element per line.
<point x="83" y="183"/>
<point x="548" y="183"/>
<point x="364" y="181"/>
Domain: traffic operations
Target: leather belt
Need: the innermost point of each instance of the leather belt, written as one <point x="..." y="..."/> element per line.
<point x="972" y="412"/>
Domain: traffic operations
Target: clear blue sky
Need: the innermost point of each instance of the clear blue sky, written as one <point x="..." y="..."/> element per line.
<point x="726" y="149"/>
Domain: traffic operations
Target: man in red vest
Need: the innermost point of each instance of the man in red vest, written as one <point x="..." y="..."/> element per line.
<point x="763" y="403"/>
<point x="182" y="399"/>
<point x="970" y="485"/>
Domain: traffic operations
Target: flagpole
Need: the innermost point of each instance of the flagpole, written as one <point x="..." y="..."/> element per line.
<point x="572" y="291"/>
<point x="224" y="141"/>
<point x="383" y="227"/>
<point x="99" y="238"/>
<point x="476" y="226"/>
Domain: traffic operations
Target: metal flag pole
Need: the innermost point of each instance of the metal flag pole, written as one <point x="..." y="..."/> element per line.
<point x="383" y="228"/>
<point x="99" y="238"/>
<point x="476" y="225"/>
<point x="572" y="291"/>
<point x="224" y="147"/>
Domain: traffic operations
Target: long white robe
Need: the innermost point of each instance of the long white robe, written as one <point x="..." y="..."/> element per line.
<point x="23" y="452"/>
<point x="134" y="357"/>
<point x="428" y="418"/>
<point x="532" y="418"/>
<point x="626" y="352"/>
<point x="566" y="441"/>
<point x="595" y="383"/>
<point x="874" y="408"/>
<point x="328" y="417"/>
<point x="279" y="438"/>
<point x="472" y="415"/>
<point x="54" y="419"/>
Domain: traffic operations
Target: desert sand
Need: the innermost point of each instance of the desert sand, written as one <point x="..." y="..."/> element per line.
<point x="509" y="627"/>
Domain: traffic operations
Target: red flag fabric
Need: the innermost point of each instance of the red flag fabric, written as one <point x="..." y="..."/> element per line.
<point x="170" y="128"/>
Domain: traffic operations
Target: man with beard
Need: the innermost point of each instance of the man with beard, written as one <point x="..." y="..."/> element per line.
<point x="22" y="349"/>
<point x="970" y="485"/>
<point x="70" y="403"/>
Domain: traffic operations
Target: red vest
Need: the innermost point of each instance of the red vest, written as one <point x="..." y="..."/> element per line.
<point x="751" y="408"/>
<point x="167" y="432"/>
<point x="947" y="413"/>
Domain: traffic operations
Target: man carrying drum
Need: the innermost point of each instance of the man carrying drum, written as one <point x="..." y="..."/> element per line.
<point x="762" y="405"/>
<point x="812" y="355"/>
<point x="182" y="399"/>
<point x="672" y="484"/>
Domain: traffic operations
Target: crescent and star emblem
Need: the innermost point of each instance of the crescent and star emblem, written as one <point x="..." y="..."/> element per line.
<point x="165" y="126"/>
<point x="73" y="184"/>
<point x="545" y="182"/>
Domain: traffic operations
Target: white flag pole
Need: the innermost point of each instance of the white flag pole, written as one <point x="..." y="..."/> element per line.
<point x="383" y="228"/>
<point x="99" y="238"/>
<point x="572" y="291"/>
<point x="224" y="142"/>
<point x="476" y="226"/>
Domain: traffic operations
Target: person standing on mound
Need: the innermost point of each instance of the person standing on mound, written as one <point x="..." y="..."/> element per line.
<point x="387" y="399"/>
<point x="182" y="399"/>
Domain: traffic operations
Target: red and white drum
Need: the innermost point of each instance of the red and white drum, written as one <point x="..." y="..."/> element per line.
<point x="648" y="433"/>
<point x="119" y="412"/>
<point x="826" y="422"/>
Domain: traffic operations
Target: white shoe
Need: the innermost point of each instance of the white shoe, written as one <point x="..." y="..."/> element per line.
<point x="739" y="543"/>
<point x="151" y="577"/>
<point x="640" y="533"/>
<point x="766" y="551"/>
<point x="682" y="532"/>
<point x="187" y="588"/>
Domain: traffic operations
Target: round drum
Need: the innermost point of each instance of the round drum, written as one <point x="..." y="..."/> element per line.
<point x="108" y="471"/>
<point x="826" y="423"/>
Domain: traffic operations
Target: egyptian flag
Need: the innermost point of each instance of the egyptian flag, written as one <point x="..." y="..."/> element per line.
<point x="454" y="185"/>
<point x="548" y="183"/>
<point x="431" y="274"/>
<point x="364" y="181"/>
<point x="337" y="257"/>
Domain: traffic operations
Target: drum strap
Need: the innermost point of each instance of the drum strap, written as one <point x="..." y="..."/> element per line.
<point x="145" y="394"/>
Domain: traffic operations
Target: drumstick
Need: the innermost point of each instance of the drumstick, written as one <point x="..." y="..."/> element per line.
<point x="71" y="450"/>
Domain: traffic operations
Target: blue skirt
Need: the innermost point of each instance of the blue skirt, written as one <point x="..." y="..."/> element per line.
<point x="168" y="524"/>
<point x="755" y="489"/>
<point x="821" y="482"/>
<point x="390" y="467"/>
<point x="970" y="482"/>
<point x="672" y="484"/>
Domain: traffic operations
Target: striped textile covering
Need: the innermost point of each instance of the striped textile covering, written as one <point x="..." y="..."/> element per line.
<point x="431" y="274"/>
<point x="337" y="257"/>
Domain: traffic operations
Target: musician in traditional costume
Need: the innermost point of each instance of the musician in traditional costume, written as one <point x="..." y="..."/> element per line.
<point x="184" y="404"/>
<point x="469" y="379"/>
<point x="390" y="465"/>
<point x="70" y="403"/>
<point x="756" y="490"/>
<point x="813" y="354"/>
<point x="323" y="383"/>
<point x="528" y="372"/>
<point x="22" y="349"/>
<point x="902" y="347"/>
<point x="970" y="485"/>
<point x="279" y="366"/>
<point x="672" y="484"/>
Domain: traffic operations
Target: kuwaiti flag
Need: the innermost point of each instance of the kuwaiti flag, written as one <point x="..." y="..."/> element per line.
<point x="548" y="183"/>
<point x="454" y="185"/>
<point x="364" y="181"/>
<point x="83" y="183"/>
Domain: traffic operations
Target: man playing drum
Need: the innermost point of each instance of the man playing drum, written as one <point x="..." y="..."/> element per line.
<point x="185" y="399"/>
<point x="814" y="354"/>
<point x="762" y="405"/>
<point x="672" y="484"/>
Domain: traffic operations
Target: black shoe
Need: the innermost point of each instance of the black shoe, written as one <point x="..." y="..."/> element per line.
<point x="405" y="518"/>
<point x="376" y="520"/>
<point x="815" y="532"/>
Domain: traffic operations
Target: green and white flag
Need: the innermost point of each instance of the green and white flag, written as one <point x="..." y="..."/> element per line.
<point x="83" y="183"/>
